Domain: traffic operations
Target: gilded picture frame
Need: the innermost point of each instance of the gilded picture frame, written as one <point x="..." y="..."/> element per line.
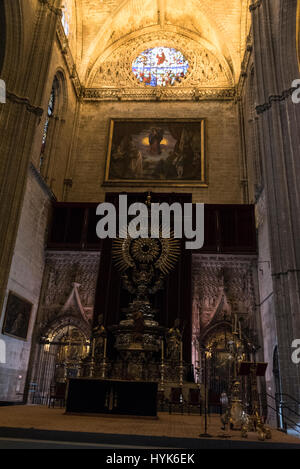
<point x="156" y="152"/>
<point x="17" y="316"/>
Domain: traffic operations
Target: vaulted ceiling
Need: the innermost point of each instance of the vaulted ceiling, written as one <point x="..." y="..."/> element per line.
<point x="99" y="27"/>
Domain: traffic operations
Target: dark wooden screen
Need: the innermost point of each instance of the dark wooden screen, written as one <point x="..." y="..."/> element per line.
<point x="228" y="229"/>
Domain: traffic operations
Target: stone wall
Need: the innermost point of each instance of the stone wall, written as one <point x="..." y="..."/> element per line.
<point x="222" y="147"/>
<point x="25" y="280"/>
<point x="61" y="125"/>
<point x="67" y="300"/>
<point x="30" y="33"/>
<point x="69" y="286"/>
<point x="253" y="150"/>
<point x="223" y="285"/>
<point x="271" y="111"/>
<point x="266" y="300"/>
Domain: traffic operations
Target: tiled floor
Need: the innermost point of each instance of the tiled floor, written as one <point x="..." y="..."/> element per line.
<point x="174" y="426"/>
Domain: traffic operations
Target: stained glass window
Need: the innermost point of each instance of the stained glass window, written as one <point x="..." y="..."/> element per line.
<point x="50" y="111"/>
<point x="65" y="19"/>
<point x="49" y="114"/>
<point x="160" y="66"/>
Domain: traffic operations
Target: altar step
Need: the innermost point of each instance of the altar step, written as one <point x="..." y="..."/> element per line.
<point x="34" y="439"/>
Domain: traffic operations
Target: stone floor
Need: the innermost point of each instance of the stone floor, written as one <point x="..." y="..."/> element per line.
<point x="172" y="426"/>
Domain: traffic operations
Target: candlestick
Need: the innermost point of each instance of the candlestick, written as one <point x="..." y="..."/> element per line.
<point x="105" y="347"/>
<point x="162" y="375"/>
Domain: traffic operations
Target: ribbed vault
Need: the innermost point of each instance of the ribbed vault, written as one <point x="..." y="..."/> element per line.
<point x="103" y="26"/>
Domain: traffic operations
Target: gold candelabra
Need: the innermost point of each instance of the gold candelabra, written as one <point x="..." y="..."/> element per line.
<point x="162" y="368"/>
<point x="235" y="416"/>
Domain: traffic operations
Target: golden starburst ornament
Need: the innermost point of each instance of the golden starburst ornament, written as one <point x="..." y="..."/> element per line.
<point x="162" y="253"/>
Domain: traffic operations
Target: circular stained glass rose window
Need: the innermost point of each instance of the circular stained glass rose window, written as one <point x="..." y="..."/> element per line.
<point x="160" y="66"/>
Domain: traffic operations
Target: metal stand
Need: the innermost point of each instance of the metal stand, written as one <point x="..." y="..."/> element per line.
<point x="103" y="368"/>
<point x="92" y="368"/>
<point x="205" y="434"/>
<point x="254" y="421"/>
<point x="162" y="376"/>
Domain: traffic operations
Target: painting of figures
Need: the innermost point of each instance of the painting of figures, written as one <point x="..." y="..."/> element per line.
<point x="17" y="316"/>
<point x="161" y="151"/>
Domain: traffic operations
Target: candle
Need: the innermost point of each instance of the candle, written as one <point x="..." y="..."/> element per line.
<point x="162" y="349"/>
<point x="93" y="347"/>
<point x="105" y="346"/>
<point x="181" y="350"/>
<point x="240" y="329"/>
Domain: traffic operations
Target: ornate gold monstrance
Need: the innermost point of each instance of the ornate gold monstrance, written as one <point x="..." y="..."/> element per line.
<point x="144" y="263"/>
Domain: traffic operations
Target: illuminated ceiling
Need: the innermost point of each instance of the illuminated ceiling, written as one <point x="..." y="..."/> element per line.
<point x="102" y="27"/>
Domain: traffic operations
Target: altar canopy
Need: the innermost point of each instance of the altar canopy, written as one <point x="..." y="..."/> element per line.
<point x="173" y="302"/>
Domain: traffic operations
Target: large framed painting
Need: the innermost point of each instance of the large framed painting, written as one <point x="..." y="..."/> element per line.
<point x="17" y="316"/>
<point x="162" y="152"/>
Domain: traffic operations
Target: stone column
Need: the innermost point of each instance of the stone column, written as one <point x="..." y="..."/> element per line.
<point x="280" y="157"/>
<point x="25" y="73"/>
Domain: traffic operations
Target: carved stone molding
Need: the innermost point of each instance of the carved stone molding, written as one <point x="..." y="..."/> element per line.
<point x="220" y="259"/>
<point x="69" y="286"/>
<point x="68" y="58"/>
<point x="48" y="330"/>
<point x="51" y="7"/>
<point x="25" y="102"/>
<point x="260" y="109"/>
<point x="205" y="68"/>
<point x="209" y="76"/>
<point x="155" y="94"/>
<point x="246" y="63"/>
<point x="222" y="285"/>
<point x="255" y="5"/>
<point x="112" y="78"/>
<point x="41" y="181"/>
